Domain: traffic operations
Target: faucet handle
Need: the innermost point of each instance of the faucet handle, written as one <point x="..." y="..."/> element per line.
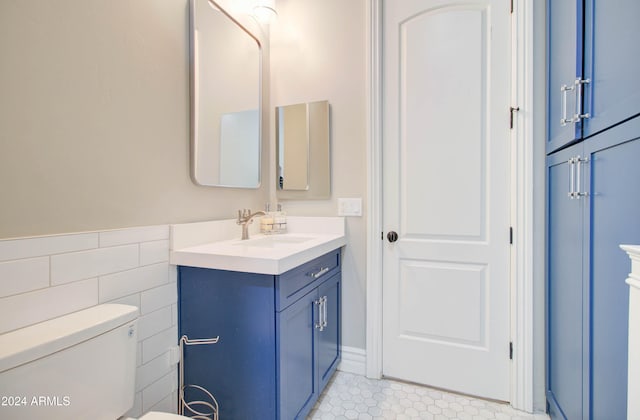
<point x="242" y="216"/>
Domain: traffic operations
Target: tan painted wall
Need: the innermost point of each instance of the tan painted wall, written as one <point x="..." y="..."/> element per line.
<point x="94" y="119"/>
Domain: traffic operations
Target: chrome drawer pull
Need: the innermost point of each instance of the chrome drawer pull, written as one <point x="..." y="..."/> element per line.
<point x="320" y="272"/>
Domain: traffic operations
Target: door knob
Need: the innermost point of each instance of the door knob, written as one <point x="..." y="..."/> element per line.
<point x="392" y="236"/>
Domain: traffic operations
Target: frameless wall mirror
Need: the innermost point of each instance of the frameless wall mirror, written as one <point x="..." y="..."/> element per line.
<point x="225" y="99"/>
<point x="303" y="151"/>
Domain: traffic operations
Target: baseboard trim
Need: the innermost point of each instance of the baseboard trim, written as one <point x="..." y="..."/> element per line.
<point x="354" y="360"/>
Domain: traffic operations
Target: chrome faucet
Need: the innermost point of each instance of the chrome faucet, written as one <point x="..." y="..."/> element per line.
<point x="245" y="217"/>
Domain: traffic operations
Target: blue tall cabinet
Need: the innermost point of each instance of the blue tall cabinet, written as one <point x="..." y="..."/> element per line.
<point x="593" y="147"/>
<point x="279" y="336"/>
<point x="593" y="58"/>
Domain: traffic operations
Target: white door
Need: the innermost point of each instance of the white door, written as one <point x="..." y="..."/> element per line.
<point x="446" y="84"/>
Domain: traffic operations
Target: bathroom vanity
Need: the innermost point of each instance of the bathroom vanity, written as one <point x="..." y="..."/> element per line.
<point x="278" y="320"/>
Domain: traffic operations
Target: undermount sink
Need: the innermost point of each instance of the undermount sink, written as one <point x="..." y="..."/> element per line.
<point x="274" y="240"/>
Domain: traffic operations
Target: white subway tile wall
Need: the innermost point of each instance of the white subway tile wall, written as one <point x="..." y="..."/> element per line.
<point x="24" y="275"/>
<point x="46" y="277"/>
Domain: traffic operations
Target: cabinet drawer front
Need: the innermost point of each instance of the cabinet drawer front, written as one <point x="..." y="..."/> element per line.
<point x="295" y="283"/>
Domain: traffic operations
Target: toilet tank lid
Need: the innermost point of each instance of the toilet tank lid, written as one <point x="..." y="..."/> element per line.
<point x="30" y="343"/>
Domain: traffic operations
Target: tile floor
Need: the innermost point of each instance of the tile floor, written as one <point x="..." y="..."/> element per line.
<point x="350" y="396"/>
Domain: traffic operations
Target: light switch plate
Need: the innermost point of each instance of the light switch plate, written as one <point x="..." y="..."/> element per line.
<point x="349" y="206"/>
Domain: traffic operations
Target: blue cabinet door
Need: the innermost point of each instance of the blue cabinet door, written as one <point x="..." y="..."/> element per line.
<point x="328" y="355"/>
<point x="612" y="62"/>
<point x="564" y="60"/>
<point x="565" y="292"/>
<point x="308" y="348"/>
<point x="298" y="385"/>
<point x="614" y="214"/>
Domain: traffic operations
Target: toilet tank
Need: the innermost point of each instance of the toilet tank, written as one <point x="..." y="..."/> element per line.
<point x="78" y="366"/>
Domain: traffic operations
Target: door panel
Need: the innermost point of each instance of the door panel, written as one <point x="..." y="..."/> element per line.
<point x="615" y="201"/>
<point x="612" y="34"/>
<point x="564" y="58"/>
<point x="565" y="291"/>
<point x="296" y="349"/>
<point x="431" y="112"/>
<point x="446" y="192"/>
<point x="329" y="339"/>
<point x="431" y="291"/>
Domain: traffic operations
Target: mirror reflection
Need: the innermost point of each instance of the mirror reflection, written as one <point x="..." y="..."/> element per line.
<point x="293" y="147"/>
<point x="225" y="99"/>
<point x="303" y="152"/>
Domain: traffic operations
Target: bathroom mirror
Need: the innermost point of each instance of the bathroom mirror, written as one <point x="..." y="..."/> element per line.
<point x="303" y="151"/>
<point x="225" y="99"/>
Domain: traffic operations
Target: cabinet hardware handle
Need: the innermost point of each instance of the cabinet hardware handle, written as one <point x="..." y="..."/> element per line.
<point x="579" y="160"/>
<point x="577" y="88"/>
<point x="324" y="312"/>
<point x="575" y="177"/>
<point x="318" y="325"/>
<point x="579" y="91"/>
<point x="572" y="166"/>
<point x="320" y="272"/>
<point x="563" y="92"/>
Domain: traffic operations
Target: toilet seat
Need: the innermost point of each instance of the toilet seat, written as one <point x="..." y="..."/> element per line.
<point x="156" y="415"/>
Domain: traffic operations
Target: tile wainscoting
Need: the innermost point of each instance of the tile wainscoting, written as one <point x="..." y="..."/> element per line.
<point x="45" y="277"/>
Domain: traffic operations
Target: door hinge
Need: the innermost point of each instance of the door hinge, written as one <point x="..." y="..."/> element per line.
<point x="510" y="235"/>
<point x="510" y="350"/>
<point x="511" y="111"/>
<point x="512" y="6"/>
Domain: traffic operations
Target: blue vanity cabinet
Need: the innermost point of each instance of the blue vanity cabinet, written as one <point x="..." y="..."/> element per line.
<point x="593" y="64"/>
<point x="274" y="357"/>
<point x="587" y="297"/>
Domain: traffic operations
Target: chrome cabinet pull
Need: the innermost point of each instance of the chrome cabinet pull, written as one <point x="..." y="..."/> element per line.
<point x="575" y="177"/>
<point x="572" y="166"/>
<point x="579" y="91"/>
<point x="579" y="160"/>
<point x="321" y="322"/>
<point x="324" y="312"/>
<point x="319" y="273"/>
<point x="577" y="88"/>
<point x="318" y="325"/>
<point x="563" y="92"/>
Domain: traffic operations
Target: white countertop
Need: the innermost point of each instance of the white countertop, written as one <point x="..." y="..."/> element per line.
<point x="207" y="244"/>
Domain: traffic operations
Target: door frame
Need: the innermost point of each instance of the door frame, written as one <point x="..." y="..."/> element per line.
<point x="522" y="206"/>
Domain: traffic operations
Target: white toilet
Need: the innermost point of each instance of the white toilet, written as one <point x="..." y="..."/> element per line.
<point x="78" y="366"/>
